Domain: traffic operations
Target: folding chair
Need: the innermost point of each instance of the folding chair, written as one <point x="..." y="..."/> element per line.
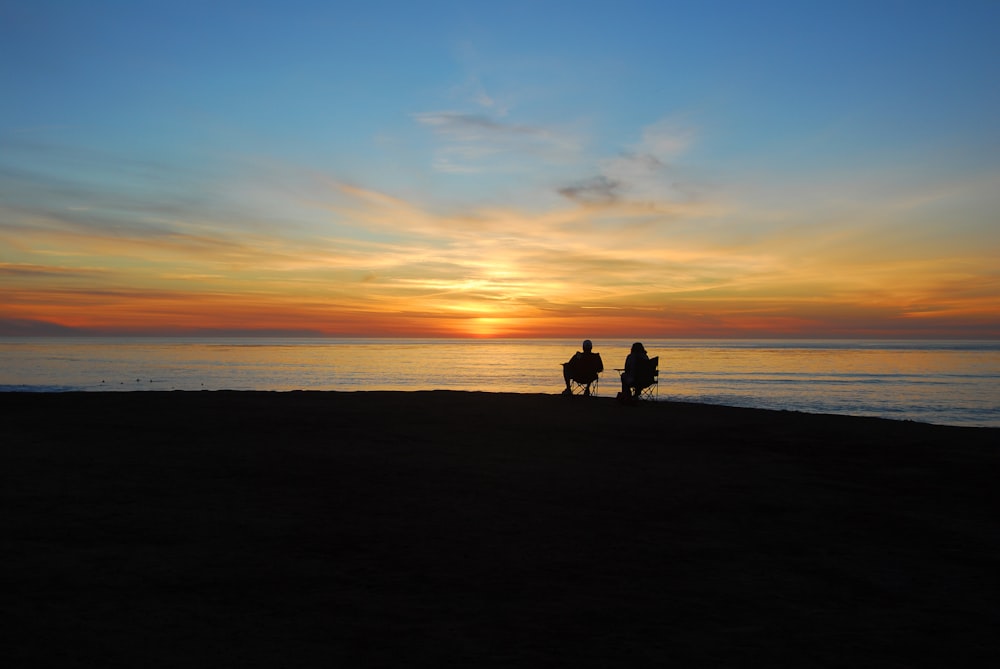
<point x="585" y="376"/>
<point x="647" y="380"/>
<point x="650" y="389"/>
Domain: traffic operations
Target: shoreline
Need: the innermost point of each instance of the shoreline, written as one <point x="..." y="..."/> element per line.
<point x="71" y="390"/>
<point x="298" y="528"/>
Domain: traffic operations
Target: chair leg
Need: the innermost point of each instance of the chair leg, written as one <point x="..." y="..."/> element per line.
<point x="585" y="389"/>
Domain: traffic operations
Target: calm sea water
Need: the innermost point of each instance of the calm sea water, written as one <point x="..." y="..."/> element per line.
<point x="954" y="383"/>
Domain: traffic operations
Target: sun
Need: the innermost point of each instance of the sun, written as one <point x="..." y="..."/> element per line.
<point x="485" y="327"/>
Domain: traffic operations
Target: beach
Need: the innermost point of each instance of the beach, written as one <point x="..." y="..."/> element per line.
<point x="302" y="529"/>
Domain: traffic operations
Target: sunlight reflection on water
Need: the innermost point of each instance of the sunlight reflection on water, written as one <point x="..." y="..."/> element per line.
<point x="940" y="382"/>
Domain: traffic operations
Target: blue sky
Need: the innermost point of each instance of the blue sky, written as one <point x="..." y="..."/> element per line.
<point x="762" y="149"/>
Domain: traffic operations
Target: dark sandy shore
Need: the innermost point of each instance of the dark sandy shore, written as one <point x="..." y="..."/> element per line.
<point x="312" y="529"/>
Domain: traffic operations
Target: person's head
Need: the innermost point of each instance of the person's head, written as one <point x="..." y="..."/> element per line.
<point x="588" y="345"/>
<point x="638" y="348"/>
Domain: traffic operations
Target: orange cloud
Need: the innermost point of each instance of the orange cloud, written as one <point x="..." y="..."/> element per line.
<point x="621" y="260"/>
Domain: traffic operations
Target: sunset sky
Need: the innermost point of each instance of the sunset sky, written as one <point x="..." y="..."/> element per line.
<point x="529" y="169"/>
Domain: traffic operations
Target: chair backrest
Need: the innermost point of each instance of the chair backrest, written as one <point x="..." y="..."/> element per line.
<point x="586" y="366"/>
<point x="648" y="375"/>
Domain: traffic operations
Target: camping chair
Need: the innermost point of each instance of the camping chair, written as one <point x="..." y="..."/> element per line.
<point x="647" y="380"/>
<point x="650" y="382"/>
<point x="585" y="374"/>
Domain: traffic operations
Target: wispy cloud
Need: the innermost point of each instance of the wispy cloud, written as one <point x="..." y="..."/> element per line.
<point x="642" y="173"/>
<point x="474" y="127"/>
<point x="596" y="190"/>
<point x="624" y="246"/>
<point x="474" y="143"/>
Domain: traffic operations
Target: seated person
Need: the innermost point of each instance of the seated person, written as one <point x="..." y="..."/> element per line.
<point x="583" y="368"/>
<point x="637" y="374"/>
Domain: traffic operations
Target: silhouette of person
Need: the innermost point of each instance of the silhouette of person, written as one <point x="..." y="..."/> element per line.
<point x="583" y="368"/>
<point x="633" y="376"/>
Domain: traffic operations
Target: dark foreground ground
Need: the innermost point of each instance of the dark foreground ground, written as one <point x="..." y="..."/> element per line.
<point x="312" y="529"/>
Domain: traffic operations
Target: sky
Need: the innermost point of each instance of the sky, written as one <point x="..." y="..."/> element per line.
<point x="517" y="169"/>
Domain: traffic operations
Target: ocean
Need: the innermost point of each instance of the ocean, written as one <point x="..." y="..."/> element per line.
<point x="943" y="382"/>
